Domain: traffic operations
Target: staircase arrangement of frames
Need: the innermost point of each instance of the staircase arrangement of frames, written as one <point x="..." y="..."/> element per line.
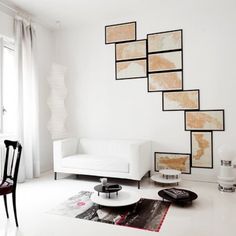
<point x="159" y="58"/>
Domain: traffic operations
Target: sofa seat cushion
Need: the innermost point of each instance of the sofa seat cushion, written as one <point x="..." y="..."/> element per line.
<point x="94" y="162"/>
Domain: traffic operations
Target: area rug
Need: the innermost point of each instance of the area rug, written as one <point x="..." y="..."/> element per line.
<point x="147" y="214"/>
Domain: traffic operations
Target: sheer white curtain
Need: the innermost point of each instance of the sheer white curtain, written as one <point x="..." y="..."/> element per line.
<point x="28" y="99"/>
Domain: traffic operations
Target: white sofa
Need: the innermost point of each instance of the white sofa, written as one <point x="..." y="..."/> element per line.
<point x="127" y="159"/>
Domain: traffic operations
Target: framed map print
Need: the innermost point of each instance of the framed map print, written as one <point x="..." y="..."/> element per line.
<point x="202" y="149"/>
<point x="131" y="50"/>
<point x="177" y="161"/>
<point x="165" y="81"/>
<point x="181" y="100"/>
<point x="208" y="120"/>
<point x="131" y="69"/>
<point x="167" y="61"/>
<point x="165" y="41"/>
<point x="120" y="32"/>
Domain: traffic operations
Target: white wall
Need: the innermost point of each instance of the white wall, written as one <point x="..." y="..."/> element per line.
<point x="100" y="106"/>
<point x="44" y="45"/>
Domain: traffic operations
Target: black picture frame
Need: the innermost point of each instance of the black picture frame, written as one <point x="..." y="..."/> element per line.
<point x="181" y="91"/>
<point x="167" y="53"/>
<point x="120" y="24"/>
<point x="166" y="32"/>
<point x="211" y="149"/>
<point x="205" y="129"/>
<point x="168" y="89"/>
<point x="173" y="153"/>
<point x="134" y="77"/>
<point x="131" y="42"/>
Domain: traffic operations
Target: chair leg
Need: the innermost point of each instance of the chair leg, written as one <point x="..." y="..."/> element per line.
<point x="55" y="175"/>
<point x="138" y="184"/>
<point x="14" y="206"/>
<point x="5" y="203"/>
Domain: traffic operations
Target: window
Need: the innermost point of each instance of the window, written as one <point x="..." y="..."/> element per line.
<point x="8" y="88"/>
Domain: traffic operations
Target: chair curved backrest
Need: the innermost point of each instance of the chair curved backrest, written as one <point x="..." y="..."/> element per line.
<point x="12" y="161"/>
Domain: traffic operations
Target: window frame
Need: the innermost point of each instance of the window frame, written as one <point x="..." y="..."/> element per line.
<point x="1" y="79"/>
<point x="8" y="43"/>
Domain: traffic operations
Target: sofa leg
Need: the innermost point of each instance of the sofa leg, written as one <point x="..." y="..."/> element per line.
<point x="55" y="175"/>
<point x="138" y="184"/>
<point x="149" y="173"/>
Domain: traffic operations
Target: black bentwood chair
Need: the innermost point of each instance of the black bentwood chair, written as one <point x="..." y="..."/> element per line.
<point x="11" y="167"/>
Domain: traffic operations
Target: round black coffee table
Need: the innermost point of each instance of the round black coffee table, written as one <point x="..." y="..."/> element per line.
<point x="104" y="189"/>
<point x="192" y="196"/>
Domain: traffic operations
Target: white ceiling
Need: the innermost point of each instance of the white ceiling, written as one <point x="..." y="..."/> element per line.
<point x="71" y="12"/>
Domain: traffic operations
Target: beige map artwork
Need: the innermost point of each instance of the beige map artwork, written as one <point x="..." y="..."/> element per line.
<point x="119" y="33"/>
<point x="173" y="161"/>
<point x="201" y="149"/>
<point x="210" y="120"/>
<point x="164" y="41"/>
<point x="181" y="100"/>
<point x="131" y="69"/>
<point x="164" y="61"/>
<point x="131" y="50"/>
<point x="165" y="81"/>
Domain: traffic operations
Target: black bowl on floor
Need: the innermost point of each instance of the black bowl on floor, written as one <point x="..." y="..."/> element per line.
<point x="192" y="196"/>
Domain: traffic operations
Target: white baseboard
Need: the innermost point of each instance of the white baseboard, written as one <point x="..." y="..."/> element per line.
<point x="200" y="177"/>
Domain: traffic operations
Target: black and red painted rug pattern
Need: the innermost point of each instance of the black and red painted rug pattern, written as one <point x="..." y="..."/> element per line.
<point x="147" y="214"/>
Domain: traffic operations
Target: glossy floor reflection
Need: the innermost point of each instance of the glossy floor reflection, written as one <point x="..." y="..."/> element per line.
<point x="213" y="213"/>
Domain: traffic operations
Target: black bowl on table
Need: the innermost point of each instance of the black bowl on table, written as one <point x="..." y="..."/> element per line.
<point x="108" y="188"/>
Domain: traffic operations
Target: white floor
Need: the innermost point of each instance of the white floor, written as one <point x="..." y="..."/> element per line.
<point x="212" y="214"/>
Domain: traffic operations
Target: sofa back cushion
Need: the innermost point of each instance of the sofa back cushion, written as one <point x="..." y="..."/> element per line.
<point x="96" y="163"/>
<point x="103" y="147"/>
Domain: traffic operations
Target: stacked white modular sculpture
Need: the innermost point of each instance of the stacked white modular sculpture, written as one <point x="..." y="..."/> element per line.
<point x="56" y="102"/>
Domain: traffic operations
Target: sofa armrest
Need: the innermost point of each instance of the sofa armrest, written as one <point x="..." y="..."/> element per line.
<point x="63" y="148"/>
<point x="140" y="159"/>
